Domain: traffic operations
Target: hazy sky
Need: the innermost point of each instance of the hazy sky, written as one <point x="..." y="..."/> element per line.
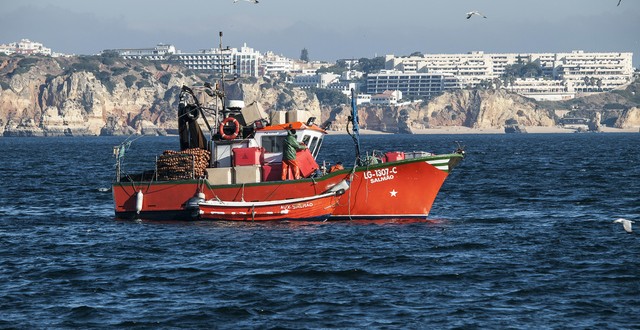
<point x="328" y="29"/>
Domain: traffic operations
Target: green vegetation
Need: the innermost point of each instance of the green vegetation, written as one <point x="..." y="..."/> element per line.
<point x="28" y="62"/>
<point x="24" y="65"/>
<point x="524" y="70"/>
<point x="338" y="68"/>
<point x="109" y="58"/>
<point x="87" y="64"/>
<point x="370" y="65"/>
<point x="19" y="70"/>
<point x="329" y="96"/>
<point x="304" y="55"/>
<point x="165" y="78"/>
<point x="105" y="79"/>
<point x="142" y="84"/>
<point x="129" y="80"/>
<point x="119" y="70"/>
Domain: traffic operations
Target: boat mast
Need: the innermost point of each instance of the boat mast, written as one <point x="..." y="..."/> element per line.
<point x="356" y="127"/>
<point x="222" y="68"/>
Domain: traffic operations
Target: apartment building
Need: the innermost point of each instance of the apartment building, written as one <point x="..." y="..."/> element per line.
<point x="273" y="64"/>
<point x="159" y="52"/>
<point x="575" y="72"/>
<point x="412" y="83"/>
<point x="242" y="62"/>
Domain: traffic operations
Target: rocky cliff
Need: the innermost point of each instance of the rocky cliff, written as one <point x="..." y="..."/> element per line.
<point x="110" y="96"/>
<point x="629" y="118"/>
<point x="470" y="108"/>
<point x="99" y="95"/>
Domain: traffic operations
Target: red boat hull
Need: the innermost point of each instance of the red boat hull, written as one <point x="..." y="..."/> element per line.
<point x="169" y="200"/>
<point x="395" y="190"/>
<point x="403" y="189"/>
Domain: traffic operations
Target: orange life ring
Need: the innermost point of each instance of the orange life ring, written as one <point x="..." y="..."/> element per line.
<point x="235" y="132"/>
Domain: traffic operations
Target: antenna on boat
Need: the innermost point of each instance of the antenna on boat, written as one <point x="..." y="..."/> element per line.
<point x="356" y="128"/>
<point x="222" y="68"/>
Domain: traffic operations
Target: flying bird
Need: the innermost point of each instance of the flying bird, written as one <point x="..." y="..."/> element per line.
<point x="619" y="1"/>
<point x="253" y="1"/>
<point x="626" y="224"/>
<point x="471" y="13"/>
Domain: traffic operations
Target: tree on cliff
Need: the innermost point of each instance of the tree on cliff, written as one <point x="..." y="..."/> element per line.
<point x="524" y="70"/>
<point x="373" y="65"/>
<point x="304" y="55"/>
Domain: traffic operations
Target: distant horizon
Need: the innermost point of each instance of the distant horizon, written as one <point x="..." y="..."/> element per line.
<point x="180" y="51"/>
<point x="331" y="29"/>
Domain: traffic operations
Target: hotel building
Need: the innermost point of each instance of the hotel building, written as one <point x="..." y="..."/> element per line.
<point x="565" y="73"/>
<point x="242" y="62"/>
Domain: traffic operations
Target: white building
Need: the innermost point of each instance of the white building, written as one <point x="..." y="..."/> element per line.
<point x="363" y="98"/>
<point x="242" y="62"/>
<point x="412" y="83"/>
<point x="352" y="75"/>
<point x="542" y="89"/>
<point x="344" y="86"/>
<point x="25" y="47"/>
<point x="578" y="71"/>
<point x="246" y="60"/>
<point x="272" y="64"/>
<point x="315" y="80"/>
<point x="159" y="52"/>
<point x="386" y="98"/>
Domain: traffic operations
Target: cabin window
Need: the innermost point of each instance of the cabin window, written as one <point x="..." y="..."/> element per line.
<point x="305" y="139"/>
<point x="314" y="147"/>
<point x="273" y="144"/>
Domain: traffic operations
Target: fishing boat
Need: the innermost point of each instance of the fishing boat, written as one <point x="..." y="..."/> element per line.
<point x="240" y="160"/>
<point x="312" y="208"/>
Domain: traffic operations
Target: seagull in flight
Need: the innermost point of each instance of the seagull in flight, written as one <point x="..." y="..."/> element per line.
<point x="253" y="1"/>
<point x="471" y="13"/>
<point x="626" y="224"/>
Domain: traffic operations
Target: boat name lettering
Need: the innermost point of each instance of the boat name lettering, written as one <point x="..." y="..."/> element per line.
<point x="297" y="206"/>
<point x="381" y="174"/>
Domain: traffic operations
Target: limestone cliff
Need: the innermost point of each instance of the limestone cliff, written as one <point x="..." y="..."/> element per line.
<point x="470" y="108"/>
<point x="42" y="96"/>
<point x="98" y="95"/>
<point x="630" y="118"/>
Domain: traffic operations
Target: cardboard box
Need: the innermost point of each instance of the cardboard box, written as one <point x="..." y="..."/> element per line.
<point x="253" y="112"/>
<point x="216" y="176"/>
<point x="248" y="156"/>
<point x="278" y="117"/>
<point x="247" y="174"/>
<point x="298" y="115"/>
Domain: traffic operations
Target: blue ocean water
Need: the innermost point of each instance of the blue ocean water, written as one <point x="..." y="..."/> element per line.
<point x="521" y="236"/>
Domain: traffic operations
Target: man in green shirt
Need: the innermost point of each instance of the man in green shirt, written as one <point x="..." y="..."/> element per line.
<point x="291" y="146"/>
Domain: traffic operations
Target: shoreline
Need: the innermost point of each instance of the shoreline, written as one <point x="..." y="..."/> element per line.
<point x="467" y="130"/>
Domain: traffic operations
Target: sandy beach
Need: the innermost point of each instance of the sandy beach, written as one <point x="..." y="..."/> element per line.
<point x="467" y="130"/>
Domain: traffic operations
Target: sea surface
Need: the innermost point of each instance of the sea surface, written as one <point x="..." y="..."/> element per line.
<point x="520" y="236"/>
